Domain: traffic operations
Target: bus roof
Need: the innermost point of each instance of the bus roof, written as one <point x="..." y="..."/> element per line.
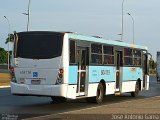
<point x="74" y="35"/>
<point x="101" y="40"/>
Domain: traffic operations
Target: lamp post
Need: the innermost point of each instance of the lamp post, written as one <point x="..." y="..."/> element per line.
<point x="133" y="25"/>
<point x="122" y="21"/>
<point x="28" y="14"/>
<point x="9" y="39"/>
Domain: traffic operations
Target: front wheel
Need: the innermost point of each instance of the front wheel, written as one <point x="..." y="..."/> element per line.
<point x="137" y="89"/>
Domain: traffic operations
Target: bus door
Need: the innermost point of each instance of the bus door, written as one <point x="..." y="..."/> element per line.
<point x="118" y="72"/>
<point x="82" y="60"/>
<point x="145" y="72"/>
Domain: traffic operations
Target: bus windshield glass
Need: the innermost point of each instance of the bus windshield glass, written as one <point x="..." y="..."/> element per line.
<point x="38" y="45"/>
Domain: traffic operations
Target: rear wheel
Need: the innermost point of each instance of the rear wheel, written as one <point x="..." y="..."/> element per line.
<point x="137" y="89"/>
<point x="99" y="95"/>
<point x="58" y="99"/>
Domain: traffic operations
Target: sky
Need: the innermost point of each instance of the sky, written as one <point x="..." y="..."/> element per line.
<point x="88" y="17"/>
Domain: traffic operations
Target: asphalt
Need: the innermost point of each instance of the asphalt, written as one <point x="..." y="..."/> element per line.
<point x="134" y="109"/>
<point x="141" y="109"/>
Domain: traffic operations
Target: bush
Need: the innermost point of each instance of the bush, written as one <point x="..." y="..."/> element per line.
<point x="152" y="71"/>
<point x="3" y="56"/>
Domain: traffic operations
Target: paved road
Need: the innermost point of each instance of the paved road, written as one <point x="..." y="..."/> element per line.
<point x="27" y="106"/>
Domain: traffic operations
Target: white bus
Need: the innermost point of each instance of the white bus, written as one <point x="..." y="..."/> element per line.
<point x="68" y="65"/>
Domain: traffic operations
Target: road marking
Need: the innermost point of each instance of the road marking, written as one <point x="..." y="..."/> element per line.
<point x="51" y="115"/>
<point x="5" y="86"/>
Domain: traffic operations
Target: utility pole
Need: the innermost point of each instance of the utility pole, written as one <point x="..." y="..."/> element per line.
<point x="8" y="63"/>
<point x="133" y="25"/>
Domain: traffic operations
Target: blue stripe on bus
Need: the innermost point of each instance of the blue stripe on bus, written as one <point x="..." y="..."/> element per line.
<point x="73" y="72"/>
<point x="97" y="73"/>
<point x="132" y="73"/>
<point x="107" y="73"/>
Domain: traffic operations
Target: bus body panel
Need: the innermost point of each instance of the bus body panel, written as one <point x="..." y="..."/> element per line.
<point x="92" y="89"/>
<point x="65" y="59"/>
<point x="30" y="76"/>
<point x="73" y="75"/>
<point x="71" y="91"/>
<point x="39" y="90"/>
<point x="147" y="83"/>
<point x="128" y="86"/>
<point x="132" y="73"/>
<point x="28" y="70"/>
<point x="39" y="63"/>
<point x="98" y="73"/>
<point x="147" y="88"/>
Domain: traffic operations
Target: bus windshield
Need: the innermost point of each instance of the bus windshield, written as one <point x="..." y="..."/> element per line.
<point x="38" y="45"/>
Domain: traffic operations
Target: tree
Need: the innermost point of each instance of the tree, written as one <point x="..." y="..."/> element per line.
<point x="3" y="56"/>
<point x="152" y="64"/>
<point x="10" y="38"/>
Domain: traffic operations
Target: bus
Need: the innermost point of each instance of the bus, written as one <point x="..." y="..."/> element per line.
<point x="67" y="65"/>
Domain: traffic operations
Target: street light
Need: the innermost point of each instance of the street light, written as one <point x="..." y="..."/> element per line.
<point x="9" y="39"/>
<point x="122" y="21"/>
<point x="133" y="25"/>
<point x="28" y="14"/>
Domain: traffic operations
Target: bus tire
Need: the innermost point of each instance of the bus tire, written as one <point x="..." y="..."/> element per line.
<point x="58" y="99"/>
<point x="99" y="95"/>
<point x="137" y="89"/>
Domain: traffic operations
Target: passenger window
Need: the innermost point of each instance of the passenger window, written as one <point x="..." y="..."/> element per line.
<point x="108" y="52"/>
<point x="128" y="56"/>
<point x="96" y="53"/>
<point x="137" y="57"/>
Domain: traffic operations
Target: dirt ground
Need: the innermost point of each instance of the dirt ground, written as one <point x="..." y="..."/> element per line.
<point x="5" y="79"/>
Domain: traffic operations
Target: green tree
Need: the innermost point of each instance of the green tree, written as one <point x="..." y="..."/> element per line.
<point x="3" y="56"/>
<point x="10" y="37"/>
<point x="152" y="64"/>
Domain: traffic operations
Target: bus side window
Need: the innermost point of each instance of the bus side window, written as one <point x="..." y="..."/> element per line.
<point x="72" y="51"/>
<point x="108" y="53"/>
<point x="128" y="56"/>
<point x="96" y="54"/>
<point x="137" y="57"/>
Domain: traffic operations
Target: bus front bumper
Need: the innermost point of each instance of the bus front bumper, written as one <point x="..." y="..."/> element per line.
<point x="39" y="90"/>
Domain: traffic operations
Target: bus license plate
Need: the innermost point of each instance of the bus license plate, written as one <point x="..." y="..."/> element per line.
<point x="35" y="82"/>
